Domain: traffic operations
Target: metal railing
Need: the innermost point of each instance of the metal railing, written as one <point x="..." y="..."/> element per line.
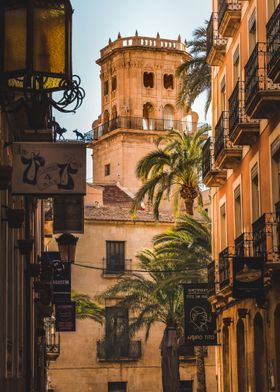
<point x="211" y="279"/>
<point x="206" y="157"/>
<point x="273" y="40"/>
<point x="214" y="39"/>
<point x="256" y="78"/>
<point x="221" y="134"/>
<point x="224" y="268"/>
<point x="141" y="123"/>
<point x="262" y="232"/>
<point x="237" y="113"/>
<point x="243" y="245"/>
<point x="117" y="265"/>
<point x="130" y="350"/>
<point x="277" y="213"/>
<point x="227" y="5"/>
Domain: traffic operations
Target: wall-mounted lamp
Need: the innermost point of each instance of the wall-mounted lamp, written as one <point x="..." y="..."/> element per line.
<point x="242" y="313"/>
<point x="67" y="247"/>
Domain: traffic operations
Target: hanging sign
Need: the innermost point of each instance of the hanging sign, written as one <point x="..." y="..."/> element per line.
<point x="200" y="322"/>
<point x="49" y="168"/>
<point x="65" y="315"/>
<point x="68" y="214"/>
<point x="248" y="276"/>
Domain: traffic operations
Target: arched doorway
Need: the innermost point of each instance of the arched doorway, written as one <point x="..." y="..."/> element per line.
<point x="277" y="341"/>
<point x="148" y="116"/>
<point x="226" y="366"/>
<point x="241" y="356"/>
<point x="168" y="117"/>
<point x="259" y="355"/>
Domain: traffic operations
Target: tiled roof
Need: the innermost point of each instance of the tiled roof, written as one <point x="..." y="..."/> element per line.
<point x="113" y="195"/>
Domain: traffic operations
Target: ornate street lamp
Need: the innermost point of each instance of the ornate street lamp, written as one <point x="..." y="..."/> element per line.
<point x="67" y="247"/>
<point x="36" y="58"/>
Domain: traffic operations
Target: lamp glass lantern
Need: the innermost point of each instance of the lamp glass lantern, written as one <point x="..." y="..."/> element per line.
<point x="67" y="247"/>
<point x="35" y="45"/>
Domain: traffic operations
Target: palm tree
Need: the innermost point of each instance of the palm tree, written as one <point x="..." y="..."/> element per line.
<point x="173" y="169"/>
<point x="153" y="297"/>
<point x="87" y="308"/>
<point x="195" y="73"/>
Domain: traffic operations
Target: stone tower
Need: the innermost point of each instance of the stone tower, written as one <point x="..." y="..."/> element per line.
<point x="139" y="91"/>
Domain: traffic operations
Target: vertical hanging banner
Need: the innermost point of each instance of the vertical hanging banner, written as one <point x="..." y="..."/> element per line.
<point x="68" y="214"/>
<point x="200" y="322"/>
<point x="65" y="315"/>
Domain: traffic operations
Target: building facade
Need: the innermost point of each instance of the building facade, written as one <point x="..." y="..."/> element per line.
<point x="241" y="164"/>
<point x="139" y="91"/>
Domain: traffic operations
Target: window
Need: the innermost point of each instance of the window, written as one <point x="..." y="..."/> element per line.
<point x="223" y="94"/>
<point x="186" y="386"/>
<point x="114" y="83"/>
<point x="255" y="192"/>
<point x="223" y="234"/>
<point x="241" y="356"/>
<point x="168" y="116"/>
<point x="275" y="170"/>
<point x="252" y="27"/>
<point x="236" y="66"/>
<point x="106" y="87"/>
<point x="237" y="212"/>
<point x="115" y="262"/>
<point x="148" y="79"/>
<point x="107" y="169"/>
<point x="148" y="116"/>
<point x="259" y="355"/>
<point x="116" y="332"/>
<point x="168" y="81"/>
<point x="117" y="386"/>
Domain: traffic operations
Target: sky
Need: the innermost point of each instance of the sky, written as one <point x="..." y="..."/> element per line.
<point x="95" y="21"/>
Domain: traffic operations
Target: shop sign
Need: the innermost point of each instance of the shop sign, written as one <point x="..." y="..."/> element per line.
<point x="68" y="214"/>
<point x="248" y="275"/>
<point x="65" y="314"/>
<point x="49" y="168"/>
<point x="200" y="322"/>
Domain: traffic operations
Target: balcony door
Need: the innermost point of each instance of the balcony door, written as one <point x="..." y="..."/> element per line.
<point x="116" y="332"/>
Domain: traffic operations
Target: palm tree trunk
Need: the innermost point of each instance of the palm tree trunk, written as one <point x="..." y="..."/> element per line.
<point x="200" y="369"/>
<point x="189" y="205"/>
<point x="170" y="361"/>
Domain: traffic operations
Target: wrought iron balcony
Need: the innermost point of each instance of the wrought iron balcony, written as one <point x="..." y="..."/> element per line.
<point x="224" y="269"/>
<point x="243" y="245"/>
<point x="262" y="96"/>
<point x="141" y="123"/>
<point x="211" y="279"/>
<point x="216" y="44"/>
<point x="212" y="177"/>
<point x="273" y="46"/>
<point x="277" y="212"/>
<point x="262" y="230"/>
<point x="116" y="266"/>
<point x="229" y="17"/>
<point x="242" y="129"/>
<point x="131" y="351"/>
<point x="226" y="155"/>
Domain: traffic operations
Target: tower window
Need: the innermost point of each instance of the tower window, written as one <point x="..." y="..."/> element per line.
<point x="148" y="79"/>
<point x="168" y="81"/>
<point x="114" y="83"/>
<point x="107" y="169"/>
<point x="106" y="87"/>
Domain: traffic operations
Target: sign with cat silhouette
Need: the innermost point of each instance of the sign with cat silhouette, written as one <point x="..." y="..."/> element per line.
<point x="49" y="168"/>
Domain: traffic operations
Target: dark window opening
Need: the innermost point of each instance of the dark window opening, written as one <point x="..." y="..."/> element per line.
<point x="107" y="169"/>
<point x="114" y="83"/>
<point x="116" y="332"/>
<point x="259" y="355"/>
<point x="148" y="79"/>
<point x="117" y="386"/>
<point x="106" y="87"/>
<point x="115" y="261"/>
<point x="186" y="386"/>
<point x="168" y="81"/>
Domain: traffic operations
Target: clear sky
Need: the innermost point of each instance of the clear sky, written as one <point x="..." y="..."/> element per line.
<point x="95" y="21"/>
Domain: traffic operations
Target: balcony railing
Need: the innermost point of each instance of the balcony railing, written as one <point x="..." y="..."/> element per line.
<point x="262" y="230"/>
<point x="212" y="176"/>
<point x="242" y="129"/>
<point x="211" y="279"/>
<point x="216" y="44"/>
<point x="141" y="123"/>
<point x="277" y="212"/>
<point x="273" y="45"/>
<point x="229" y="16"/>
<point x="243" y="245"/>
<point x="262" y="96"/>
<point x="106" y="351"/>
<point x="224" y="268"/>
<point x="226" y="155"/>
<point x="116" y="266"/>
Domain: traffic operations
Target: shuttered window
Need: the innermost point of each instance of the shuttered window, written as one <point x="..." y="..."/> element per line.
<point x="115" y="261"/>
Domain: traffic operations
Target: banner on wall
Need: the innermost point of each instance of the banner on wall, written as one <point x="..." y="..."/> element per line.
<point x="200" y="322"/>
<point x="65" y="315"/>
<point x="49" y="168"/>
